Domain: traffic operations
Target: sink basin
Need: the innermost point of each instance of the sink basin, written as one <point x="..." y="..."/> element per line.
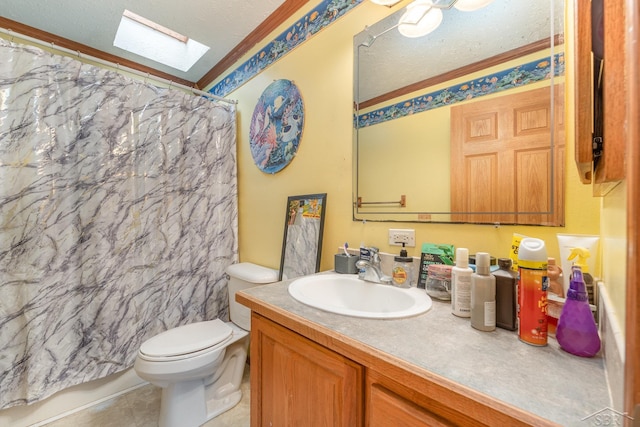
<point x="349" y="296"/>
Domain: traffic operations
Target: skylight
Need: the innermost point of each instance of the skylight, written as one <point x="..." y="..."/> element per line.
<point x="144" y="37"/>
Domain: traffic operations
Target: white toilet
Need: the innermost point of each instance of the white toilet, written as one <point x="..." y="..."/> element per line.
<point x="200" y="366"/>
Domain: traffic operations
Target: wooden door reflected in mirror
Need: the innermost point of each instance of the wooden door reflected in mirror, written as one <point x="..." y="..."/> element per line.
<point x="501" y="160"/>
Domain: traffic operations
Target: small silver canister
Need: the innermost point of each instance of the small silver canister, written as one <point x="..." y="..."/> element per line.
<point x="345" y="264"/>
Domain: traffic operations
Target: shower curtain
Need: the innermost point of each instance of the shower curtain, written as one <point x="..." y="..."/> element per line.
<point x="118" y="218"/>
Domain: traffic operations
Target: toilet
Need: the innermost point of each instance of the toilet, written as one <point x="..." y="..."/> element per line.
<point x="200" y="365"/>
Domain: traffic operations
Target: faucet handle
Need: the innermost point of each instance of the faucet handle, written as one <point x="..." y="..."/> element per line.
<point x="374" y="250"/>
<point x="375" y="256"/>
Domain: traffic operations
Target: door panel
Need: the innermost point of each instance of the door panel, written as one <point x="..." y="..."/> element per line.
<point x="501" y="159"/>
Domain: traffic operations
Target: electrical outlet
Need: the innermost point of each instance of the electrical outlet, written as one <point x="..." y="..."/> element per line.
<point x="399" y="236"/>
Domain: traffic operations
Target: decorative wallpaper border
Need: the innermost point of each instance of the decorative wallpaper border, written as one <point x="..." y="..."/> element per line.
<point x="323" y="15"/>
<point x="518" y="76"/>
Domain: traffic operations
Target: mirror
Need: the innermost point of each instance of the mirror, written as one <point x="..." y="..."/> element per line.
<point x="444" y="124"/>
<point x="302" y="242"/>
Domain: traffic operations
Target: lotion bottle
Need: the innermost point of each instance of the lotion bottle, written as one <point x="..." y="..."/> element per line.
<point x="506" y="295"/>
<point x="461" y="284"/>
<point x="483" y="295"/>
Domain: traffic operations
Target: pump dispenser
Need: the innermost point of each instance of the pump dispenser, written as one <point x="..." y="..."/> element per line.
<point x="577" y="332"/>
<point x="580" y="255"/>
<point x="402" y="273"/>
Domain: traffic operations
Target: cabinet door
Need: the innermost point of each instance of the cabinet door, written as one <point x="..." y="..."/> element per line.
<point x="295" y="382"/>
<point x="386" y="408"/>
<point x="399" y="398"/>
<point x="610" y="169"/>
<point x="394" y="403"/>
<point x="610" y="17"/>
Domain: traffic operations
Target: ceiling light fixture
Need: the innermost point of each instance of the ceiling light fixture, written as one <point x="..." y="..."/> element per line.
<point x="420" y="19"/>
<point x="424" y="16"/>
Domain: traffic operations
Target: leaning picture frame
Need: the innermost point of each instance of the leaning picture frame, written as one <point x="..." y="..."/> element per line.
<point x="303" y="230"/>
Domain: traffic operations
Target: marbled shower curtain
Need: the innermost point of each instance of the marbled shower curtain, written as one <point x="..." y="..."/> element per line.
<point x="118" y="218"/>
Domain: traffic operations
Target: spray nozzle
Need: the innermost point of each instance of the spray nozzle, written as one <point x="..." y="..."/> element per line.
<point x="577" y="289"/>
<point x="580" y="255"/>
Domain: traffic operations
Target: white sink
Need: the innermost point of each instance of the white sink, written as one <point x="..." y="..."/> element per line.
<point x="347" y="295"/>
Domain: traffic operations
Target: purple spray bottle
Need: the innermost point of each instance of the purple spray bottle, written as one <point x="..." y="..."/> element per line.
<point x="577" y="332"/>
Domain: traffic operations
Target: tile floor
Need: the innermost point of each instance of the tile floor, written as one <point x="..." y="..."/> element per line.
<point x="141" y="407"/>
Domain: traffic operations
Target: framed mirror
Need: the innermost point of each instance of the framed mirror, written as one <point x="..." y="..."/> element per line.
<point x="464" y="124"/>
<point x="303" y="229"/>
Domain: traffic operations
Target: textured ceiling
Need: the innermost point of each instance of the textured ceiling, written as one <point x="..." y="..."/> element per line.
<point x="393" y="61"/>
<point x="219" y="24"/>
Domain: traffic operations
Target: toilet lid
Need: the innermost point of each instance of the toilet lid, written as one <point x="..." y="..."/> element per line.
<point x="186" y="339"/>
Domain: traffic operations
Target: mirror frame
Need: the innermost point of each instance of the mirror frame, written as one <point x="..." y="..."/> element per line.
<point x="388" y="210"/>
<point x="303" y="230"/>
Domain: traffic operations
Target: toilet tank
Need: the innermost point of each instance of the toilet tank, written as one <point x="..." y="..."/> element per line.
<point x="243" y="276"/>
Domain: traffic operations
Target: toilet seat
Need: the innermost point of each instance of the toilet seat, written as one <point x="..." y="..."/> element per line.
<point x="186" y="341"/>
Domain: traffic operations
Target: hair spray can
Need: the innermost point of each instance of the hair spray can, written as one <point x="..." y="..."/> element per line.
<point x="532" y="292"/>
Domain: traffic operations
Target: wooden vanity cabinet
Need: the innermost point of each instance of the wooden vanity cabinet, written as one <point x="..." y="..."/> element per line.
<point x="297" y="382"/>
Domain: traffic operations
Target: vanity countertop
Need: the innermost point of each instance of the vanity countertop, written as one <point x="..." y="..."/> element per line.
<point x="495" y="366"/>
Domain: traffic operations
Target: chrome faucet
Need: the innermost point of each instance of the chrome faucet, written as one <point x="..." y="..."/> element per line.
<point x="372" y="269"/>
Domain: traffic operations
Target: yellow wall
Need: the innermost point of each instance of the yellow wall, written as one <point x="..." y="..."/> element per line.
<point x="322" y="68"/>
<point x="614" y="248"/>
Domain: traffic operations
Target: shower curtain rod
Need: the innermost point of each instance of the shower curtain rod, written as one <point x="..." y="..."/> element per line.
<point x="116" y="66"/>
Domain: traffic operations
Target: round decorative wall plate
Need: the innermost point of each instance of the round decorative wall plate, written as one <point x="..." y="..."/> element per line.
<point x="276" y="126"/>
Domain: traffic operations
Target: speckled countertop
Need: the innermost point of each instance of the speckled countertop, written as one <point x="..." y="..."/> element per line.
<point x="545" y="381"/>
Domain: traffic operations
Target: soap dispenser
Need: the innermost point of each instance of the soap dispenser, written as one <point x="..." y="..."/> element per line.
<point x="577" y="332"/>
<point x="402" y="273"/>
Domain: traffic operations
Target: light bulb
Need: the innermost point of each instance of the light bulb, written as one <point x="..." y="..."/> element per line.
<point x="420" y="19"/>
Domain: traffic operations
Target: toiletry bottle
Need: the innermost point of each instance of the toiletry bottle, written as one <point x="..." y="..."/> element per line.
<point x="506" y="295"/>
<point x="402" y="272"/>
<point x="532" y="292"/>
<point x="553" y="273"/>
<point x="483" y="295"/>
<point x="461" y="284"/>
<point x="365" y="255"/>
<point x="577" y="332"/>
<point x="438" y="284"/>
<point x="580" y="255"/>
